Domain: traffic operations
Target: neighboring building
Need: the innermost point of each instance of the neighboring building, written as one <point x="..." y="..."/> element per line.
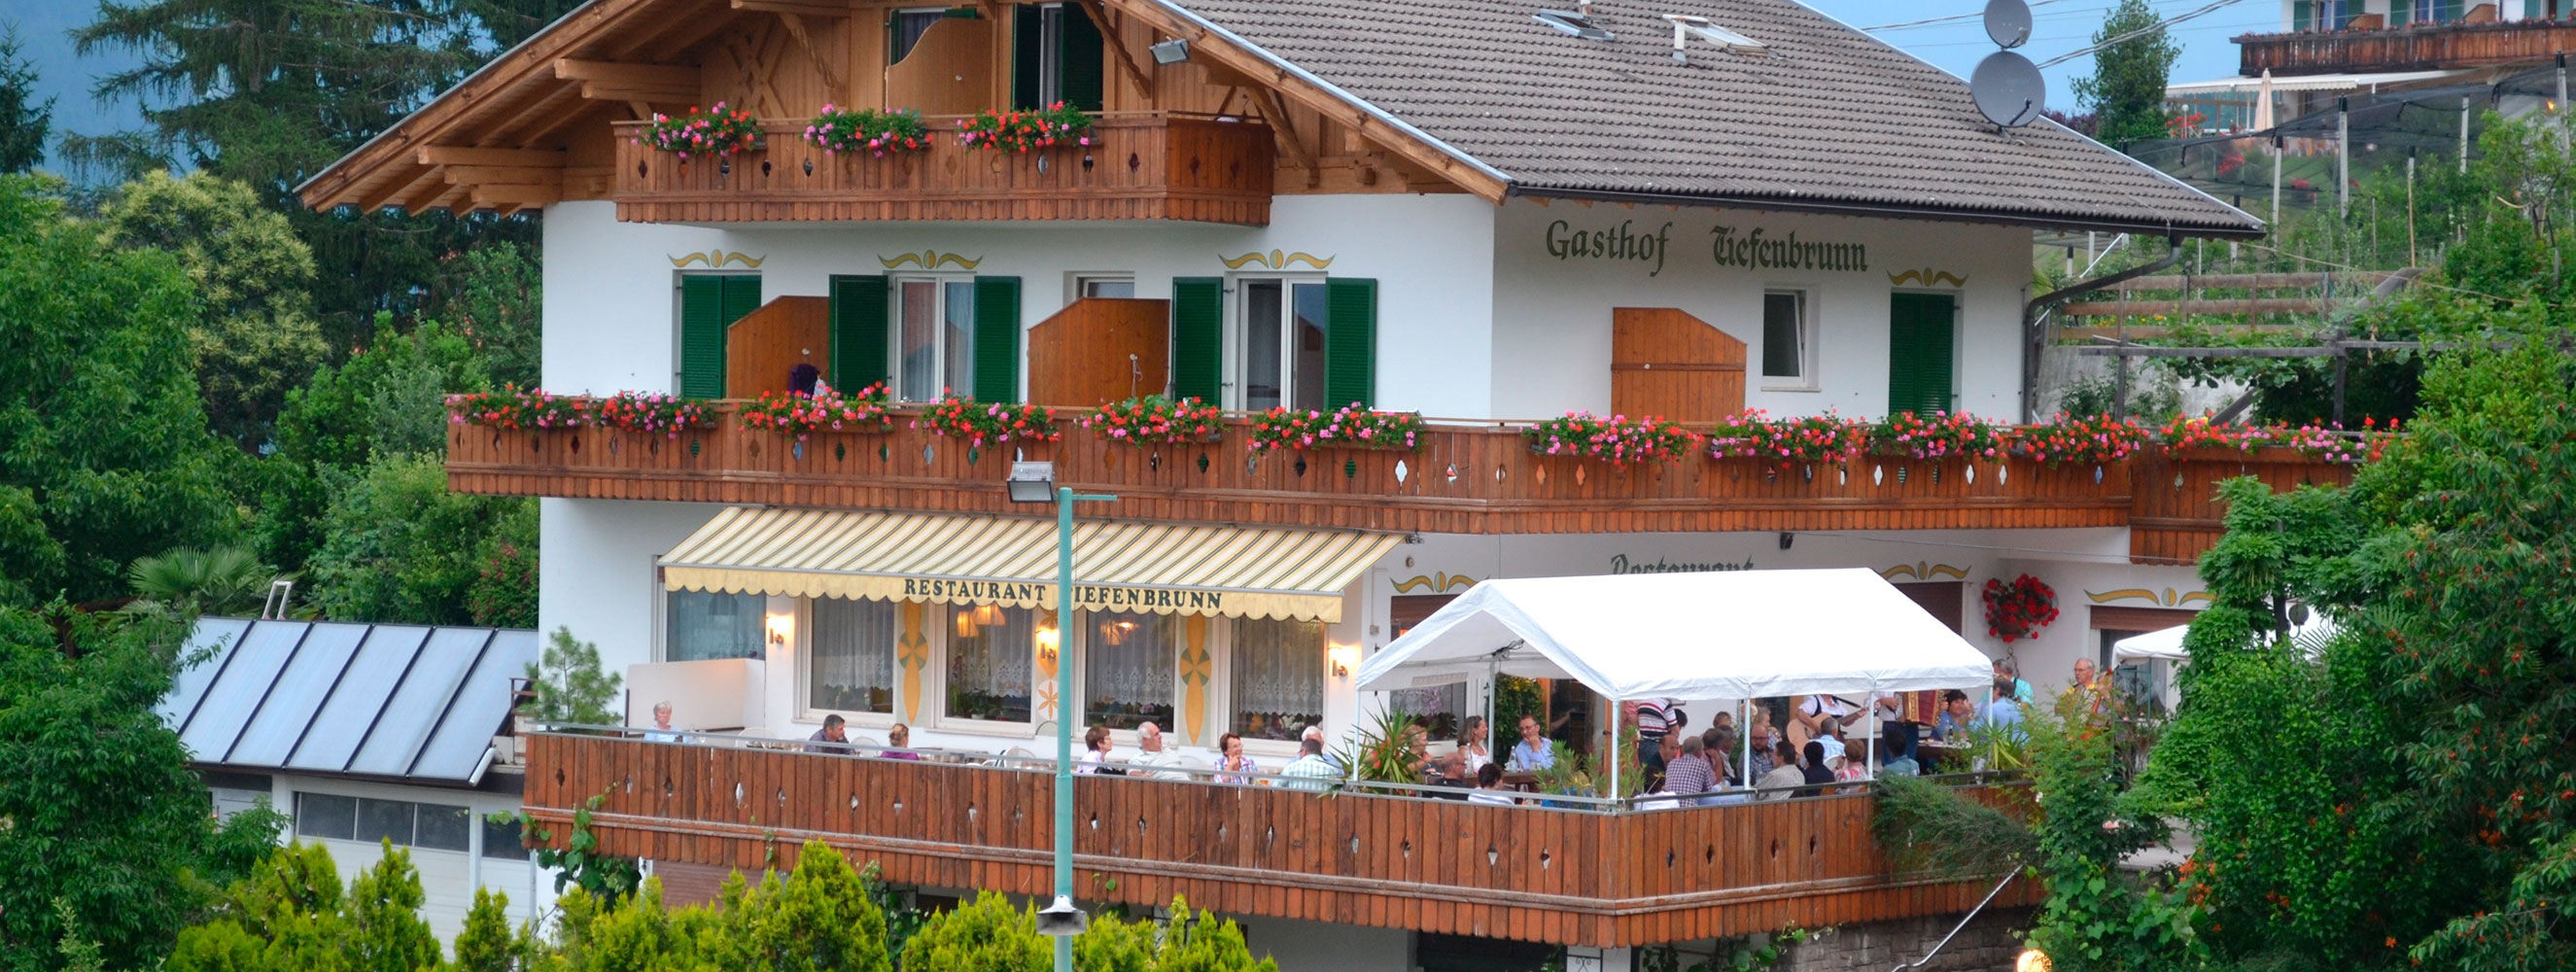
<point x="1454" y="208"/>
<point x="2328" y="49"/>
<point x="363" y="733"/>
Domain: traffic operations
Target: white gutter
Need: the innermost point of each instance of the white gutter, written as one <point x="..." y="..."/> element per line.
<point x="1362" y="104"/>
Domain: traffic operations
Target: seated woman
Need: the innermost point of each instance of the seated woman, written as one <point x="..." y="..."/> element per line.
<point x="1230" y="759"/>
<point x="801" y="379"/>
<point x="1855" y="766"/>
<point x="899" y="737"/>
<point x="1095" y="749"/>
<point x="1489" y="786"/>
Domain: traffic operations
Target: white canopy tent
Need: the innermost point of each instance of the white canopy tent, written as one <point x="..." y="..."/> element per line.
<point x="2166" y="645"/>
<point x="1724" y="635"/>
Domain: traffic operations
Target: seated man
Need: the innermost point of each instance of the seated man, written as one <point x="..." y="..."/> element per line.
<point x="1894" y="763"/>
<point x="899" y="737"/>
<point x="1784" y="773"/>
<point x="1310" y="772"/>
<point x="1688" y="773"/>
<point x="1535" y="751"/>
<point x="1154" y="759"/>
<point x="832" y="732"/>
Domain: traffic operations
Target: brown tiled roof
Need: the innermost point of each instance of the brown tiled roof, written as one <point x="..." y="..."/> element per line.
<point x="1827" y="118"/>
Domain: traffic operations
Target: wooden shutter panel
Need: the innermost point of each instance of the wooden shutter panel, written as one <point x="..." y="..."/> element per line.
<point x="1918" y="353"/>
<point x="997" y="339"/>
<point x="702" y="334"/>
<point x="1198" y="337"/>
<point x="1082" y="60"/>
<point x="1350" y="342"/>
<point x="858" y="331"/>
<point x="1027" y="40"/>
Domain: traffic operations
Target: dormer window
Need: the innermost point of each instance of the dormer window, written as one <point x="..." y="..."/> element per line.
<point x="1687" y="26"/>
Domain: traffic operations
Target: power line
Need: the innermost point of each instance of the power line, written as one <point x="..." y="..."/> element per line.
<point x="1952" y="17"/>
<point x="2156" y="27"/>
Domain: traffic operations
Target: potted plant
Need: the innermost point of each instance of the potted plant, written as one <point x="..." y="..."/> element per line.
<point x="800" y="415"/>
<point x="1618" y="439"/>
<point x="988" y="423"/>
<point x="1349" y="427"/>
<point x="517" y="409"/>
<point x="2068" y="440"/>
<point x="1024" y="130"/>
<point x="836" y="130"/>
<point x="653" y="413"/>
<point x="2020" y="609"/>
<point x="717" y="131"/>
<point x="1942" y="435"/>
<point x="1783" y="443"/>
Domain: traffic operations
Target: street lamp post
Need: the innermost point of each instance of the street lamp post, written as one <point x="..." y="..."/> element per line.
<point x="1034" y="482"/>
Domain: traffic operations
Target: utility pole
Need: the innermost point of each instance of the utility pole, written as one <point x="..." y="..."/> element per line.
<point x="2464" y="134"/>
<point x="2343" y="156"/>
<point x="2276" y="180"/>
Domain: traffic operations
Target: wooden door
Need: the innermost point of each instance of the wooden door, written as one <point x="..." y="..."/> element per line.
<point x="1100" y="350"/>
<point x="1669" y="364"/>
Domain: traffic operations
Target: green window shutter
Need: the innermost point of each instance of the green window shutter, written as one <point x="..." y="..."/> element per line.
<point x="702" y="335"/>
<point x="1198" y="337"/>
<point x="1919" y="369"/>
<point x="1082" y="60"/>
<point x="741" y="297"/>
<point x="997" y="339"/>
<point x="859" y="338"/>
<point x="1350" y="342"/>
<point x="1028" y="37"/>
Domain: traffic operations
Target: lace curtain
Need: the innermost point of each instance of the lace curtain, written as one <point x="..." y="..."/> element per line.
<point x="989" y="653"/>
<point x="1440" y="706"/>
<point x="853" y="656"/>
<point x="706" y="625"/>
<point x="1128" y="673"/>
<point x="1278" y="684"/>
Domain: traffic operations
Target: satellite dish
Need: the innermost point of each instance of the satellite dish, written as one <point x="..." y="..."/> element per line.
<point x="2008" y="89"/>
<point x="2008" y="22"/>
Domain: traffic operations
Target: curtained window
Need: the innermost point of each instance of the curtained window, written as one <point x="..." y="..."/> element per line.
<point x="707" y="625"/>
<point x="1278" y="683"/>
<point x="1129" y="670"/>
<point x="853" y="656"/>
<point x="989" y="652"/>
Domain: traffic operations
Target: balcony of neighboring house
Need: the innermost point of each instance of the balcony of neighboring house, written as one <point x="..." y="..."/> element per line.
<point x="1138" y="166"/>
<point x="2420" y="37"/>
<point x="1575" y="871"/>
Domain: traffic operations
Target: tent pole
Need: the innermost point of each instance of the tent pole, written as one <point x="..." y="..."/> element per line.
<point x="1615" y="747"/>
<point x="1869" y="761"/>
<point x="1744" y="724"/>
<point x="1493" y="733"/>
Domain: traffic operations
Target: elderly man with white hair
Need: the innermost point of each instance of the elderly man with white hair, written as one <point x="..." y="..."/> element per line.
<point x="1316" y="733"/>
<point x="1155" y="760"/>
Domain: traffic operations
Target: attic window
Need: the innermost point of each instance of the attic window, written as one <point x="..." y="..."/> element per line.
<point x="1687" y="26"/>
<point x="1577" y="24"/>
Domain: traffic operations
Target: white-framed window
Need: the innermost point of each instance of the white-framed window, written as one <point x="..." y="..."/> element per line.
<point x="1103" y="285"/>
<point x="1130" y="669"/>
<point x="933" y="336"/>
<point x="367" y="820"/>
<point x="704" y="625"/>
<point x="988" y="662"/>
<point x="852" y="646"/>
<point x="1275" y="677"/>
<point x="1788" y="340"/>
<point x="905" y="25"/>
<point x="1277" y="344"/>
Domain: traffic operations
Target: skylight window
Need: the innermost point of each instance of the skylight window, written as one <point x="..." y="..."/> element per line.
<point x="1577" y="24"/>
<point x="1687" y="26"/>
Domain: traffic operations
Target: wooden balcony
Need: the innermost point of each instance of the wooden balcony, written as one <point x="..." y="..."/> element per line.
<point x="1558" y="876"/>
<point x="1478" y="478"/>
<point x="2422" y="47"/>
<point x="1154" y="166"/>
<point x="2174" y="513"/>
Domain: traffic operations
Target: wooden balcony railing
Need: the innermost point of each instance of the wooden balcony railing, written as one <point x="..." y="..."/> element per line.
<point x="1141" y="166"/>
<point x="1477" y="478"/>
<point x="1393" y="862"/>
<point x="2421" y="47"/>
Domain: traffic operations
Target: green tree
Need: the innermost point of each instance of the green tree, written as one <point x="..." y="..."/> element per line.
<point x="983" y="935"/>
<point x="256" y="337"/>
<point x="24" y="121"/>
<point x="486" y="943"/>
<point x="818" y="918"/>
<point x="1204" y="943"/>
<point x="94" y="786"/>
<point x="104" y="454"/>
<point x="2127" y="87"/>
<point x="386" y="933"/>
<point x="491" y="296"/>
<point x="399" y="547"/>
<point x="569" y="684"/>
<point x="384" y="401"/>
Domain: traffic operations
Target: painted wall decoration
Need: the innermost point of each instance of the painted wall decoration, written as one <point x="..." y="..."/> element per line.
<point x="1434" y="583"/>
<point x="1927" y="277"/>
<point x="717" y="259"/>
<point x="2167" y="597"/>
<point x="912" y="655"/>
<point x="1750" y="250"/>
<point x="1924" y="571"/>
<point x="1274" y="259"/>
<point x="928" y="260"/>
<point x="1197" y="671"/>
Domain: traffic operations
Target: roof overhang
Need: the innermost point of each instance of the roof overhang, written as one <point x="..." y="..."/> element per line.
<point x="2307" y="82"/>
<point x="2253" y="230"/>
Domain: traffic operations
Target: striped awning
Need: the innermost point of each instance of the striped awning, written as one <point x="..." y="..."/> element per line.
<point x="1162" y="568"/>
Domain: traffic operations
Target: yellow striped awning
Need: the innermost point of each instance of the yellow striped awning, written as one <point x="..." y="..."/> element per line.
<point x="1249" y="572"/>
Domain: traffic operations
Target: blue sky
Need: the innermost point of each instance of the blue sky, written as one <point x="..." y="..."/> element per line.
<point x="1955" y="46"/>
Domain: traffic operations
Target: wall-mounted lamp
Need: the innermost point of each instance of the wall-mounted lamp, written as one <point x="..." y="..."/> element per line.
<point x="1172" y="51"/>
<point x="1785" y="538"/>
<point x="782" y="627"/>
<point x="1341" y="657"/>
<point x="1048" y="638"/>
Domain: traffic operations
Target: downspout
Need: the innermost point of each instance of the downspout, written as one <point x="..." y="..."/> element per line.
<point x="2034" y="341"/>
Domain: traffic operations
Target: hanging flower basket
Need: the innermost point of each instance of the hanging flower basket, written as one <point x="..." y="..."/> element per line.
<point x="1155" y="420"/>
<point x="1618" y="439"/>
<point x="1348" y="427"/>
<point x="1784" y="443"/>
<point x="989" y="423"/>
<point x="2071" y="441"/>
<point x="1022" y="131"/>
<point x="1941" y="435"/>
<point x="801" y="415"/>
<point x="2020" y="609"/>
<point x="653" y="413"/>
<point x="516" y="409"/>
<point x="716" y="131"/>
<point x="837" y="130"/>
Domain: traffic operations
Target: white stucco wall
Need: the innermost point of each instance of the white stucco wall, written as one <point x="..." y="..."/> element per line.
<point x="609" y="307"/>
<point x="1552" y="312"/>
<point x="597" y="573"/>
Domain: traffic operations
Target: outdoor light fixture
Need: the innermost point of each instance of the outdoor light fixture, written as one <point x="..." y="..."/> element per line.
<point x="2031" y="960"/>
<point x="1172" y="51"/>
<point x="1032" y="482"/>
<point x="1047" y="638"/>
<point x="781" y="628"/>
<point x="1062" y="919"/>
<point x="1785" y="538"/>
<point x="1340" y="655"/>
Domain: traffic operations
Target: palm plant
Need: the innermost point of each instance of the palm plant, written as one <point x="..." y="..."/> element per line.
<point x="218" y="580"/>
